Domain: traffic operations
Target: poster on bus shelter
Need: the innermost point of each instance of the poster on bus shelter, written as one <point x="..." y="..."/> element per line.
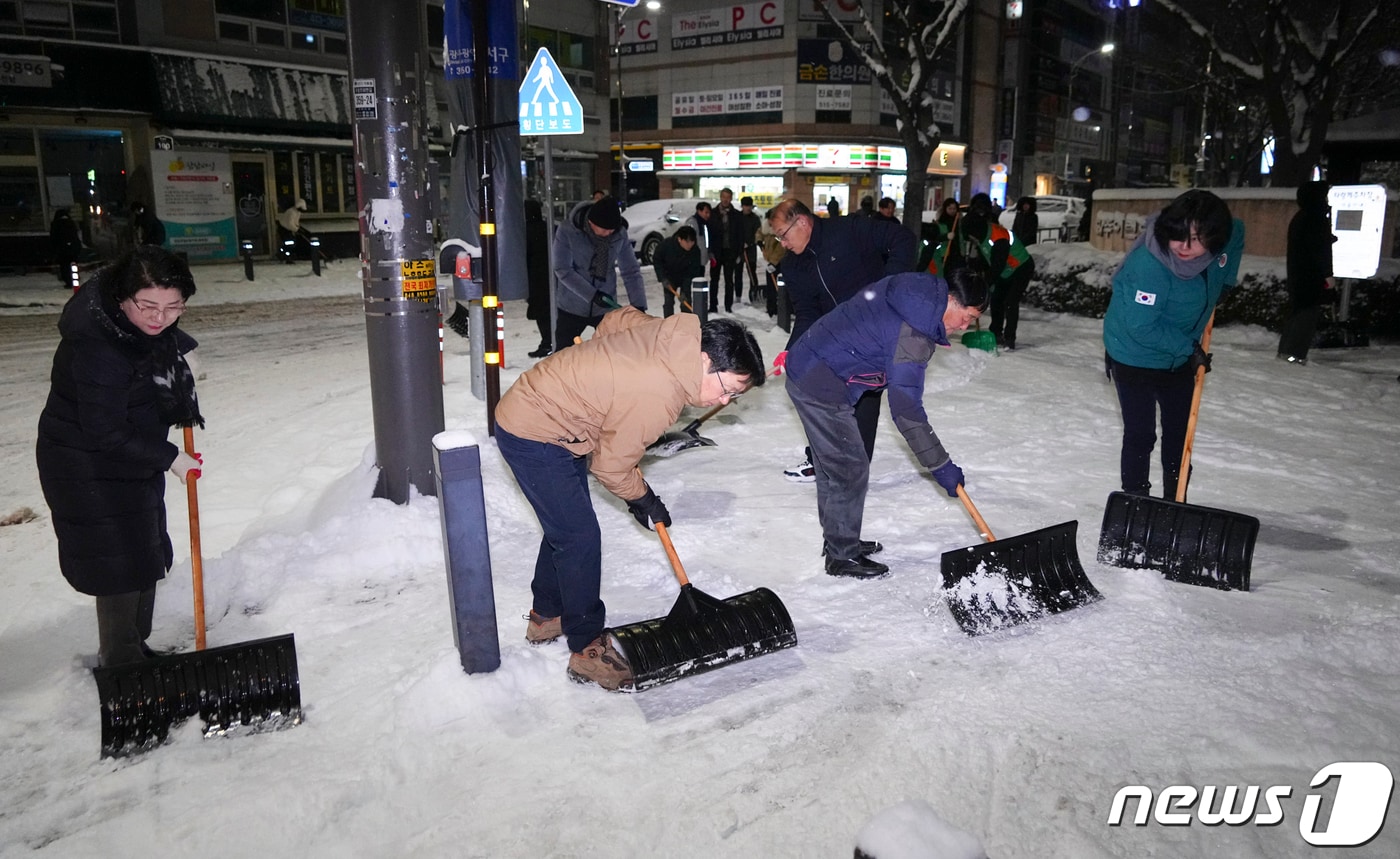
<point x="194" y="197"/>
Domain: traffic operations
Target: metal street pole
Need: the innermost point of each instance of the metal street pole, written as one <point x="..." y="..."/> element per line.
<point x="490" y="298"/>
<point x="1106" y="48"/>
<point x="387" y="71"/>
<point x="621" y="155"/>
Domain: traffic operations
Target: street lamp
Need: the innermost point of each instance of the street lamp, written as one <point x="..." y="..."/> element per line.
<point x="619" y="11"/>
<point x="1078" y="114"/>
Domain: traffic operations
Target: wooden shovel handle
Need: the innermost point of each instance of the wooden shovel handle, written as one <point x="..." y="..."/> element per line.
<point x="671" y="554"/>
<point x="976" y="517"/>
<point x="196" y="556"/>
<point x="1195" y="411"/>
<point x="677" y="294"/>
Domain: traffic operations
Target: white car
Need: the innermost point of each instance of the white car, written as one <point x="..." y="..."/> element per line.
<point x="1052" y="213"/>
<point x="651" y="221"/>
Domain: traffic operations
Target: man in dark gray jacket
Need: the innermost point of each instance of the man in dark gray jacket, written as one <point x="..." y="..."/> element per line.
<point x="590" y="247"/>
<point x="829" y="260"/>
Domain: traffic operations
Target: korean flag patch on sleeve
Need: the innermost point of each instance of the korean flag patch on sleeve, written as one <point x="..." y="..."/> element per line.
<point x="1148" y="298"/>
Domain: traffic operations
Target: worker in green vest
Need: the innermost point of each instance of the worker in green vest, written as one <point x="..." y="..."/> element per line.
<point x="1010" y="266"/>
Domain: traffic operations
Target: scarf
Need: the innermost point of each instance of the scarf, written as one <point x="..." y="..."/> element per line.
<point x="176" y="402"/>
<point x="1183" y="269"/>
<point x="602" y="258"/>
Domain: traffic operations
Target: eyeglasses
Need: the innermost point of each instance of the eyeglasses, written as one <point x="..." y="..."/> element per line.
<point x="725" y="392"/>
<point x="151" y="309"/>
<point x="781" y="237"/>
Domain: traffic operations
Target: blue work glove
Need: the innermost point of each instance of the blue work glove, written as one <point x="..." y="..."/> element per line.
<point x="649" y="509"/>
<point x="950" y="477"/>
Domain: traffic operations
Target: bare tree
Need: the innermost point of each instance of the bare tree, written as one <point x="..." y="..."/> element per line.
<point x="902" y="59"/>
<point x="1299" y="58"/>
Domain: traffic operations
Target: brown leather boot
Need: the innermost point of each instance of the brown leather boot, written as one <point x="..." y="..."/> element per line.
<point x="542" y="630"/>
<point x="601" y="663"/>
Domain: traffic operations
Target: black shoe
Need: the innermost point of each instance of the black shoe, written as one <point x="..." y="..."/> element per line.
<point x="539" y="353"/>
<point x="867" y="547"/>
<point x="860" y="567"/>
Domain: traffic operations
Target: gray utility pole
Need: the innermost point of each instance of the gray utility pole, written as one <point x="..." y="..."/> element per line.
<point x="396" y="242"/>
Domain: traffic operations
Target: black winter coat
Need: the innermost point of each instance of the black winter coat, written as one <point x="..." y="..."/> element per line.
<point x="676" y="265"/>
<point x="1310" y="248"/>
<point x="843" y="256"/>
<point x="102" y="449"/>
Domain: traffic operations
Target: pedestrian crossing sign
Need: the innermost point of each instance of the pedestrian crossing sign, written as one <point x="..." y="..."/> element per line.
<point x="547" y="104"/>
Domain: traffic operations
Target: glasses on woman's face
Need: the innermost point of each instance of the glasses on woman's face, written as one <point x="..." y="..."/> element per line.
<point x="729" y="395"/>
<point x="152" y="310"/>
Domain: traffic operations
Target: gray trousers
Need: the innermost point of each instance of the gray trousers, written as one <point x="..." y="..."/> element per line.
<point x="123" y="625"/>
<point x="842" y="470"/>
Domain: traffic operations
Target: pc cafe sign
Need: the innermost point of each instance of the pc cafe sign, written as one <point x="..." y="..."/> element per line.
<point x="727" y="25"/>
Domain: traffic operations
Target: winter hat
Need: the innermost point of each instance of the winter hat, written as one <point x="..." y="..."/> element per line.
<point x="301" y="204"/>
<point x="604" y="214"/>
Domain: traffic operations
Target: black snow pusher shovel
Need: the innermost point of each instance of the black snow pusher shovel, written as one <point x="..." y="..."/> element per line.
<point x="702" y="632"/>
<point x="1002" y="583"/>
<point x="1188" y="543"/>
<point x="252" y="686"/>
<point x="685" y="438"/>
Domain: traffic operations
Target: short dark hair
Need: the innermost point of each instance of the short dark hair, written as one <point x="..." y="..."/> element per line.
<point x="146" y="266"/>
<point x="733" y="349"/>
<point x="1212" y="218"/>
<point x="686" y="232"/>
<point x="967" y="283"/>
<point x="788" y="209"/>
<point x="886" y="201"/>
<point x="702" y="206"/>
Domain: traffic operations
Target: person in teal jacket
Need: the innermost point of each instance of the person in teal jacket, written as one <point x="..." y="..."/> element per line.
<point x="1163" y="295"/>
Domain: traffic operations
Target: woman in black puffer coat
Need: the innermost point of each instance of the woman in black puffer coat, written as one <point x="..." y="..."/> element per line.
<point x="119" y="382"/>
<point x="1309" y="271"/>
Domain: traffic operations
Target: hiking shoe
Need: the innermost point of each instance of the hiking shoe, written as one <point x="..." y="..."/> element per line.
<point x="542" y="630"/>
<point x="601" y="663"/>
<point x="859" y="567"/>
<point x="867" y="547"/>
<point x="803" y="473"/>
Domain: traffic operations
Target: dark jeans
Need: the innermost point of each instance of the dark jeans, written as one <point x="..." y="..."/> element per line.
<point x="1141" y="393"/>
<point x="668" y="300"/>
<point x="729" y="267"/>
<point x="1006" y="303"/>
<point x="123" y="625"/>
<point x="568" y="326"/>
<point x="1299" y="331"/>
<point x="569" y="567"/>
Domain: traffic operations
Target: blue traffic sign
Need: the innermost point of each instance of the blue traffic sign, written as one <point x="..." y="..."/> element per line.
<point x="547" y="103"/>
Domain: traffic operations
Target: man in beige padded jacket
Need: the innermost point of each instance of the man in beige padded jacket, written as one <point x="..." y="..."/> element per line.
<point x="595" y="408"/>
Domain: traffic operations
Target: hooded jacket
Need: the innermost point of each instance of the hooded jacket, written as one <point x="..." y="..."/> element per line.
<point x="103" y="451"/>
<point x="842" y="256"/>
<point x="1310" y="247"/>
<point x="611" y="395"/>
<point x="883" y="338"/>
<point x="573" y="251"/>
<point x="1154" y="318"/>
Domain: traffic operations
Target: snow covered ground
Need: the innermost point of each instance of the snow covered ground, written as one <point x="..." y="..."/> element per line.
<point x="1020" y="740"/>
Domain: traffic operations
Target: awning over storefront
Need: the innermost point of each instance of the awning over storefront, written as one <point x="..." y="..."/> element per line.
<point x="208" y="92"/>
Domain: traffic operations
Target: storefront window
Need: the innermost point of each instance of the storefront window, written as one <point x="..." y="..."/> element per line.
<point x="21" y="207"/>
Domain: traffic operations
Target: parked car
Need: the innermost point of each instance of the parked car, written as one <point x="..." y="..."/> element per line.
<point x="1058" y="217"/>
<point x="651" y="221"/>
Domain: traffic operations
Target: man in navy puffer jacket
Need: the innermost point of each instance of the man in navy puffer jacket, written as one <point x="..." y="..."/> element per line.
<point x="881" y="339"/>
